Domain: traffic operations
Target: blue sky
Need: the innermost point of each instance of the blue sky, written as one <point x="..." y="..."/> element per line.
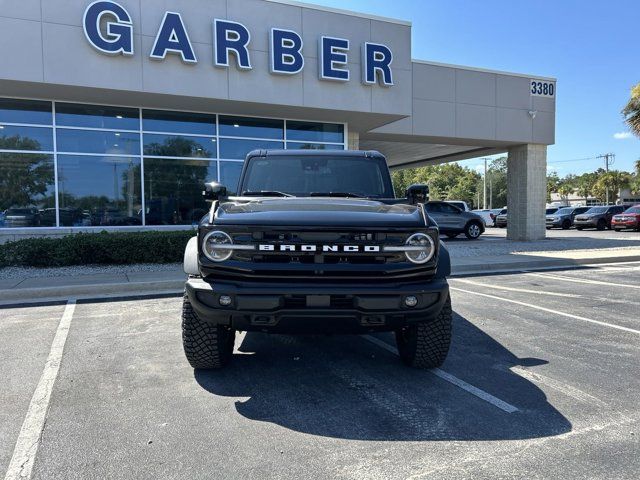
<point x="591" y="47"/>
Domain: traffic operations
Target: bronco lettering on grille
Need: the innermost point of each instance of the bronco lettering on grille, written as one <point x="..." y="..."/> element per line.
<point x="320" y="248"/>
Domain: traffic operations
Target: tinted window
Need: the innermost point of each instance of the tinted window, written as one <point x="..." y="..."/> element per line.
<point x="102" y="191"/>
<point x="551" y="211"/>
<point x="580" y="210"/>
<point x="315" y="132"/>
<point x="565" y="211"/>
<point x="25" y="111"/>
<point x="251" y="127"/>
<point x="616" y="209"/>
<point x="238" y="149"/>
<point x="95" y="141"/>
<point x="313" y="146"/>
<point x="230" y="175"/>
<point x="173" y="190"/>
<point x="179" y="146"/>
<point x="305" y="175"/>
<point x="433" y="207"/>
<point x="97" y="116"/>
<point x="26" y="138"/>
<point x="450" y="208"/>
<point x="597" y="210"/>
<point x="178" y="122"/>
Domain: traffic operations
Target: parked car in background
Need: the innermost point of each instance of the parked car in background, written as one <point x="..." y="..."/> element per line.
<point x="22" y="217"/>
<point x="460" y="204"/>
<point x="486" y="216"/>
<point x="1" y="219"/>
<point x="453" y="221"/>
<point x="501" y="219"/>
<point x="493" y="213"/>
<point x="630" y="218"/>
<point x="597" y="217"/>
<point x="564" y="217"/>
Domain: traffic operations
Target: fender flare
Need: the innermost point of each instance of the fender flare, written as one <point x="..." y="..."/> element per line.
<point x="190" y="264"/>
<point x="444" y="262"/>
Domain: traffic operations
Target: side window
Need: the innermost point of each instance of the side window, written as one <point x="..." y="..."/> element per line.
<point x="446" y="208"/>
<point x="433" y="207"/>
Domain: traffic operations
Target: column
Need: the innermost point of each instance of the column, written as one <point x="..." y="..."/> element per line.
<point x="526" y="192"/>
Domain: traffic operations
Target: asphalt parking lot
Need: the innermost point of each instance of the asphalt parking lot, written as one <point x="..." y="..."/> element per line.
<point x="542" y="381"/>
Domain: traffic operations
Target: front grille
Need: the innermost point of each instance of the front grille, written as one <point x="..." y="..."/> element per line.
<point x="320" y="266"/>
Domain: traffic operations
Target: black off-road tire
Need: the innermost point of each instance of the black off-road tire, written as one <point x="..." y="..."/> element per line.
<point x="206" y="345"/>
<point x="426" y="344"/>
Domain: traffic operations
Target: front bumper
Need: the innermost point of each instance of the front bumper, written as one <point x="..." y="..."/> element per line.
<point x="625" y="223"/>
<point x="586" y="223"/>
<point x="307" y="308"/>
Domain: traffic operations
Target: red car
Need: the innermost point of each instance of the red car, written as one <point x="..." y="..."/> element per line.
<point x="630" y="218"/>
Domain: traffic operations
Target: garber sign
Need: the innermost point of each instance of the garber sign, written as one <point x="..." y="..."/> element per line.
<point x="109" y="29"/>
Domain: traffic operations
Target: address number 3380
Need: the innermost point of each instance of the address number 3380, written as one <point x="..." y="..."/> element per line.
<point x="540" y="88"/>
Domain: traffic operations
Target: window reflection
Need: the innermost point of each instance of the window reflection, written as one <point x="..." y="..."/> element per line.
<point x="251" y="127"/>
<point x="99" y="191"/>
<point x="179" y="146"/>
<point x="97" y="116"/>
<point x="315" y="132"/>
<point x="26" y="138"/>
<point x="238" y="149"/>
<point x="313" y="146"/>
<point x="25" y="111"/>
<point x="230" y="175"/>
<point x="173" y="190"/>
<point x="26" y="190"/>
<point x="178" y="122"/>
<point x="92" y="141"/>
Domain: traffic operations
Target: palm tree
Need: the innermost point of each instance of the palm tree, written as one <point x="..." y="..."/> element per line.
<point x="631" y="111"/>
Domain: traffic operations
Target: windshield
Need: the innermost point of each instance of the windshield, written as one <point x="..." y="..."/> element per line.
<point x="596" y="210"/>
<point x="551" y="210"/>
<point x="317" y="175"/>
<point x="565" y="211"/>
<point x="632" y="210"/>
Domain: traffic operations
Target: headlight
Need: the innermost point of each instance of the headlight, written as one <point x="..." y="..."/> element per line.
<point x="422" y="248"/>
<point x="213" y="246"/>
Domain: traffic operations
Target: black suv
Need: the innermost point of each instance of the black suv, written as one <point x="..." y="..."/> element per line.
<point x="316" y="242"/>
<point x="597" y="217"/>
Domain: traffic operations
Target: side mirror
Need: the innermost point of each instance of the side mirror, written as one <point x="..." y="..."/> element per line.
<point x="418" y="193"/>
<point x="214" y="191"/>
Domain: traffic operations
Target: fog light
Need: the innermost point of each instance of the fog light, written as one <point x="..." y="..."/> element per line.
<point x="411" y="301"/>
<point x="225" y="300"/>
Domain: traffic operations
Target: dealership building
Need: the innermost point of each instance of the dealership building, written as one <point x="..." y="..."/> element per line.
<point x="114" y="113"/>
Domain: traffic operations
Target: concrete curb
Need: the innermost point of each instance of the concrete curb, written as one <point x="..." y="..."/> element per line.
<point x="24" y="296"/>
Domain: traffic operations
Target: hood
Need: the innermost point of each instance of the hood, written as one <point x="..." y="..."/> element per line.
<point x="320" y="211"/>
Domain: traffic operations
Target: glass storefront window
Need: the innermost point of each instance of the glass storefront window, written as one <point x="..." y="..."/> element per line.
<point x="32" y="112"/>
<point x="233" y="149"/>
<point x="315" y="132"/>
<point x="97" y="116"/>
<point x="173" y="190"/>
<point x="230" y="175"/>
<point x="27" y="190"/>
<point x="159" y="145"/>
<point x="99" y="191"/>
<point x="313" y="146"/>
<point x="251" y="127"/>
<point x="38" y="139"/>
<point x="178" y="122"/>
<point x="95" y="141"/>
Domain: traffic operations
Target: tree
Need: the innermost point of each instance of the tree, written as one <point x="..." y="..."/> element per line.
<point x="635" y="181"/>
<point x="585" y="185"/>
<point x="553" y="182"/>
<point x="497" y="178"/>
<point x="613" y="181"/>
<point x="631" y="111"/>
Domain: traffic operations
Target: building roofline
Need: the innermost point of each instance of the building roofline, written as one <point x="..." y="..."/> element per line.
<point x="341" y="11"/>
<point x="485" y="70"/>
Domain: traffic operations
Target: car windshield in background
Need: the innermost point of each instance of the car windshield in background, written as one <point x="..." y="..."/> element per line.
<point x="564" y="211"/>
<point x="597" y="210"/>
<point x="632" y="210"/>
<point x="551" y="211"/>
<point x="317" y="176"/>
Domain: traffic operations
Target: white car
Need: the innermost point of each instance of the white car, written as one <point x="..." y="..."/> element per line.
<point x="486" y="217"/>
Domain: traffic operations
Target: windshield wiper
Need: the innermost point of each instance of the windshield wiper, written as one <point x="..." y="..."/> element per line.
<point x="336" y="194"/>
<point x="266" y="193"/>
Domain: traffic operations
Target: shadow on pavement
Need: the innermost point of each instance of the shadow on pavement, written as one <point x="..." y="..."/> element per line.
<point x="346" y="387"/>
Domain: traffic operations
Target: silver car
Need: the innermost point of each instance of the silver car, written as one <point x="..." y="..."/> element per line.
<point x="452" y="221"/>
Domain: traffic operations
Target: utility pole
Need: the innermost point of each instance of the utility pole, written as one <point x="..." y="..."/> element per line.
<point x="484" y="206"/>
<point x="609" y="159"/>
<point x="491" y="193"/>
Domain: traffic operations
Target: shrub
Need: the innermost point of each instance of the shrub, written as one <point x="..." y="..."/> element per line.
<point x="97" y="248"/>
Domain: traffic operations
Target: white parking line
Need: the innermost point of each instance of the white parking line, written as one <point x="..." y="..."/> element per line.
<point x="24" y="453"/>
<point x="481" y="394"/>
<point x="512" y="289"/>
<point x="580" y="280"/>
<point x="548" y="310"/>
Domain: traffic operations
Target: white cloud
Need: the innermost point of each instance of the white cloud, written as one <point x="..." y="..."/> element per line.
<point x="622" y="135"/>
